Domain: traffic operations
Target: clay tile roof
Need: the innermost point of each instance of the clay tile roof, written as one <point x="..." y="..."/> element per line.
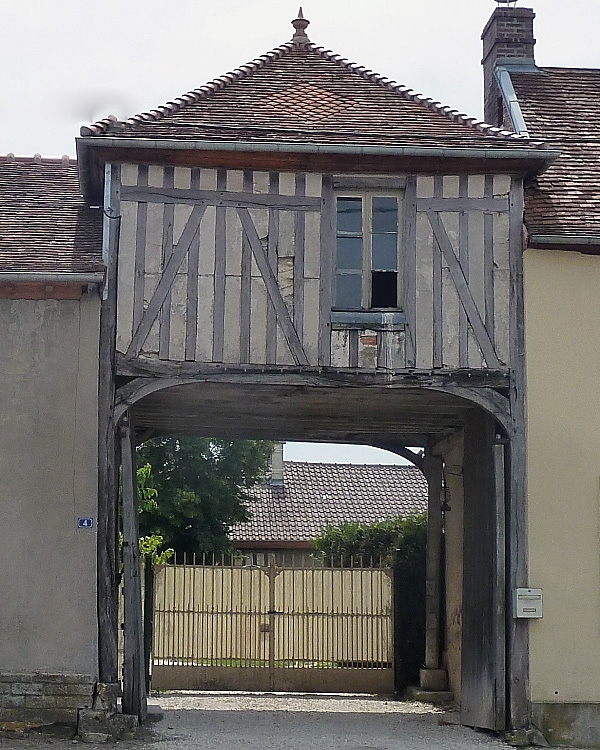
<point x="314" y="496"/>
<point x="45" y="226"/>
<point x="562" y="106"/>
<point x="307" y="94"/>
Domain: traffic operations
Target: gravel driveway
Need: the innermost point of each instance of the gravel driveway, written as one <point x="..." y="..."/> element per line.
<point x="224" y="721"/>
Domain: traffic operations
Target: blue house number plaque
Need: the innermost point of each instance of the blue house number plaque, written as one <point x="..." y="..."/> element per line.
<point x="85" y="523"/>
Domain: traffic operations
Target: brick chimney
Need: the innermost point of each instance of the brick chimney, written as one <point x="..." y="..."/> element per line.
<point x="507" y="41"/>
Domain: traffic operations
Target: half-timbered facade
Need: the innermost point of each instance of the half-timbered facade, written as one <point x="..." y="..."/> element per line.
<point x="302" y="249"/>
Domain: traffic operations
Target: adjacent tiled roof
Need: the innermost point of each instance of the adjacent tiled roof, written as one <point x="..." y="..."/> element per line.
<point x="562" y="106"/>
<point x="314" y="496"/>
<point x="45" y="226"/>
<point x="308" y="95"/>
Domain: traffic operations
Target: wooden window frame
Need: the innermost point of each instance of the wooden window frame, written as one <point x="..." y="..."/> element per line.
<point x="367" y="194"/>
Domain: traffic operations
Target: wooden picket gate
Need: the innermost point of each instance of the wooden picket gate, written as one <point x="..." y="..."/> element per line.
<point x="230" y="626"/>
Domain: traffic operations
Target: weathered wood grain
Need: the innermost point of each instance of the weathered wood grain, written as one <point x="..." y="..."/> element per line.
<point x="410" y="267"/>
<point x="463" y="254"/>
<point x="246" y="282"/>
<point x="134" y="674"/>
<point x="220" y="198"/>
<point x="140" y="250"/>
<point x="327" y="246"/>
<point x="164" y="285"/>
<point x="107" y="518"/>
<point x="462" y="204"/>
<point x="488" y="264"/>
<point x="300" y="235"/>
<point x="518" y="641"/>
<point x="424" y="323"/>
<point x="353" y="348"/>
<point x="272" y="253"/>
<point x="220" y="263"/>
<point x="464" y="293"/>
<point x="438" y="344"/>
<point x="432" y="468"/>
<point x="167" y="251"/>
<point x="283" y="315"/>
<point x="499" y="629"/>
<point x="193" y="264"/>
<point x="126" y="274"/>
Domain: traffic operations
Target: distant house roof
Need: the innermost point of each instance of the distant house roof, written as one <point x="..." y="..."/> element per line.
<point x="303" y="93"/>
<point x="45" y="225"/>
<point x="314" y="496"/>
<point x="562" y="106"/>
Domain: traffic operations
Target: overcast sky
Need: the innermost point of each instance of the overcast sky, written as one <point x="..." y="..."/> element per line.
<point x="69" y="62"/>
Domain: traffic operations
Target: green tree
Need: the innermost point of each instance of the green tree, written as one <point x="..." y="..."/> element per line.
<point x="401" y="539"/>
<point x="201" y="486"/>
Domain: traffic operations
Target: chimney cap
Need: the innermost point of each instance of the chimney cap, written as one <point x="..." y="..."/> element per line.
<point x="510" y="3"/>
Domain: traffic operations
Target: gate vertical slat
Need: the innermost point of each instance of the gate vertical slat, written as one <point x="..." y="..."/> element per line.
<point x="326" y="626"/>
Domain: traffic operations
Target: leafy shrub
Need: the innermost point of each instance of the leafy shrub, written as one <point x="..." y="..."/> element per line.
<point x="402" y="539"/>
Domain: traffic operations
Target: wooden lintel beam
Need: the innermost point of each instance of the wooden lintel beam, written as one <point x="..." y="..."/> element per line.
<point x="189" y="196"/>
<point x="495" y="205"/>
<point x="326" y="376"/>
<point x="323" y="163"/>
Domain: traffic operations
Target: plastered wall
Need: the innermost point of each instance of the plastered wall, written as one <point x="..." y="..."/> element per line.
<point x="48" y="478"/>
<point x="562" y="293"/>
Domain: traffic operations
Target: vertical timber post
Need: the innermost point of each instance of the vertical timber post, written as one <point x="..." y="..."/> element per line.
<point x="107" y="549"/>
<point x="518" y="633"/>
<point x="499" y="629"/>
<point x="272" y="573"/>
<point x="134" y="672"/>
<point x="432" y="677"/>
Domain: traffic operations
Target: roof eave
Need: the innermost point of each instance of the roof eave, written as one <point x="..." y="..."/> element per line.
<point x="583" y="243"/>
<point x="535" y="160"/>
<point x="27" y="277"/>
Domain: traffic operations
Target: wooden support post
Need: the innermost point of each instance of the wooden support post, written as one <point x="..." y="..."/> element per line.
<point x="499" y="625"/>
<point x="518" y="630"/>
<point x="107" y="557"/>
<point x="432" y="466"/>
<point x="134" y="677"/>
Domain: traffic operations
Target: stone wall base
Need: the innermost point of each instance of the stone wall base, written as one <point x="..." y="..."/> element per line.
<point x="42" y="698"/>
<point x="576" y="724"/>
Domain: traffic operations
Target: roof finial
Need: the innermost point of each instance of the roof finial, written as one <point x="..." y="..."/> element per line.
<point x="300" y="39"/>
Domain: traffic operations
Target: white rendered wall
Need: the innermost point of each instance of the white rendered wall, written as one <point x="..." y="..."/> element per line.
<point x="562" y="290"/>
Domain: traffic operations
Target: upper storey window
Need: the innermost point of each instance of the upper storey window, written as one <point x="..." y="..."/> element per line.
<point x="368" y="251"/>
